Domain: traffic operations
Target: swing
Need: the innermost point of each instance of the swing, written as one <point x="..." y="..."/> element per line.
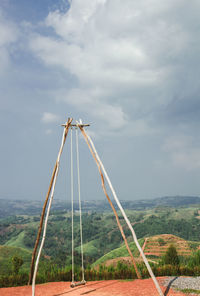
<point x="49" y="198"/>
<point x="82" y="282"/>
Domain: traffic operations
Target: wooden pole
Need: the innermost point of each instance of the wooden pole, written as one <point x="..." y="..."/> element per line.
<point x="127" y="220"/>
<point x="110" y="202"/>
<point x="44" y="208"/>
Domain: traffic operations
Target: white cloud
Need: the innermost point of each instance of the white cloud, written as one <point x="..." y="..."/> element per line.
<point x="8" y="31"/>
<point x="127" y="57"/>
<point x="50" y="118"/>
<point x="108" y="115"/>
<point x="8" y="35"/>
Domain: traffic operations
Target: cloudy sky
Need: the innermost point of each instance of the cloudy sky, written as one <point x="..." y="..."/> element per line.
<point x="130" y="68"/>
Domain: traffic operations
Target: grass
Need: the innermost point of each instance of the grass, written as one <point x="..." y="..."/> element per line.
<point x="17" y="241"/>
<point x="187" y="213"/>
<point x="89" y="248"/>
<point x="119" y="252"/>
<point x="188" y="291"/>
<point x="122" y="251"/>
<point x="6" y="254"/>
<point x="193" y="245"/>
<point x="176" y="214"/>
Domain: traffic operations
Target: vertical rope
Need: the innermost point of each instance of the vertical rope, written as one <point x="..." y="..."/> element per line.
<point x="72" y="201"/>
<point x="79" y="198"/>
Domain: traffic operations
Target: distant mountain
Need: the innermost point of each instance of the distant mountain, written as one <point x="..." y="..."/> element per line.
<point x="34" y="207"/>
<point x="169" y="201"/>
<point x="177" y="201"/>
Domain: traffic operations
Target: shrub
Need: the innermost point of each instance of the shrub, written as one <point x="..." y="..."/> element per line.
<point x="13" y="280"/>
<point x="17" y="263"/>
<point x="171" y="256"/>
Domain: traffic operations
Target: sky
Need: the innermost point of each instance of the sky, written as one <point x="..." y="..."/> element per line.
<point x="129" y="68"/>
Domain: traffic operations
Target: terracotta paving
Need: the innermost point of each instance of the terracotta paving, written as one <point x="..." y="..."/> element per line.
<point x="98" y="288"/>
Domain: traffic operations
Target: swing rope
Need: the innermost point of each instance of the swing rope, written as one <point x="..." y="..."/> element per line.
<point x="73" y="284"/>
<point x="79" y="197"/>
<point x="72" y="202"/>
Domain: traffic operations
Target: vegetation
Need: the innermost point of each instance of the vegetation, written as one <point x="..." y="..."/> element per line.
<point x="189" y="291"/>
<point x="49" y="272"/>
<point x="119" y="252"/>
<point x="194" y="260"/>
<point x="171" y="256"/>
<point x="34" y="207"/>
<point x="6" y="255"/>
<point x="102" y="241"/>
<point x="161" y="241"/>
<point x="17" y="263"/>
<point x="189" y="230"/>
<point x="100" y="231"/>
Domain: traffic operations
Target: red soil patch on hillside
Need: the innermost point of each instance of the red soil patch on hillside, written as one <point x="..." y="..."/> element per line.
<point x="153" y="247"/>
<point x="101" y="288"/>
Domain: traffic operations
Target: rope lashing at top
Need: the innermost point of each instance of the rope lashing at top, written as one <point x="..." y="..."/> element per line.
<point x="50" y="193"/>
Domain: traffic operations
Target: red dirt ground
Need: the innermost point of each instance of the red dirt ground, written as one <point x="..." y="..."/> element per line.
<point x="100" y="288"/>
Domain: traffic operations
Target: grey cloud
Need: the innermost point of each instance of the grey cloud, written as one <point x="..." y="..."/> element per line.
<point x="130" y="69"/>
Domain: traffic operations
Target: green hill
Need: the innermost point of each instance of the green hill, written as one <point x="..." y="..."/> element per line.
<point x="6" y="254"/>
<point x="155" y="247"/>
<point x="101" y="235"/>
<point x="17" y="241"/>
<point x="120" y="252"/>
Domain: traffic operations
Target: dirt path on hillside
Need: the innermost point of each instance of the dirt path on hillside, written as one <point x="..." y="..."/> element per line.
<point x="144" y="245"/>
<point x="100" y="288"/>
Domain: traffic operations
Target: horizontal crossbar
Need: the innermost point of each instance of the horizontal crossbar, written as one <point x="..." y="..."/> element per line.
<point x="76" y="125"/>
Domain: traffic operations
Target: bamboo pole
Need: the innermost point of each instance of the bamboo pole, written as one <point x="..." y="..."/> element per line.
<point x="40" y="226"/>
<point x="45" y="205"/>
<point x="110" y="202"/>
<point x="126" y="219"/>
<point x="49" y="205"/>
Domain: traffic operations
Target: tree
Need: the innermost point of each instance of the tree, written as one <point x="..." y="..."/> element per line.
<point x="171" y="256"/>
<point x="17" y="263"/>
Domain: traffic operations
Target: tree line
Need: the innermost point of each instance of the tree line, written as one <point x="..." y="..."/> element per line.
<point x="170" y="265"/>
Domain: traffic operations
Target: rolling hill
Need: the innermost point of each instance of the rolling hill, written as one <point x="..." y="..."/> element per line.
<point x="101" y="236"/>
<point x="6" y="254"/>
<point x="154" y="247"/>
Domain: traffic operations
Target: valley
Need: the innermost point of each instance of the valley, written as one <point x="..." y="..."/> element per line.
<point x="157" y="227"/>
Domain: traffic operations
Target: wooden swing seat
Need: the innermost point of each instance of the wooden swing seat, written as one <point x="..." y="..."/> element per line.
<point x="75" y="284"/>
